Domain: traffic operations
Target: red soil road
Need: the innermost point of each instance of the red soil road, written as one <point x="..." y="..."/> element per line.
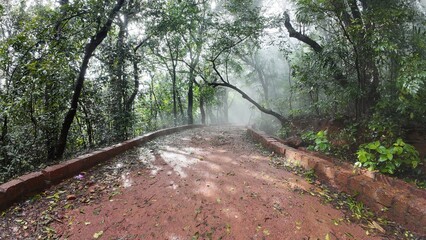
<point x="210" y="183"/>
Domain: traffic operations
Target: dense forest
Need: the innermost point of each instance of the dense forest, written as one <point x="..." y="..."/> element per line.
<point x="80" y="74"/>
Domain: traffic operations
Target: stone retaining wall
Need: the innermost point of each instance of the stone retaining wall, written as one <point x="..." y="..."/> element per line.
<point x="36" y="181"/>
<point x="389" y="197"/>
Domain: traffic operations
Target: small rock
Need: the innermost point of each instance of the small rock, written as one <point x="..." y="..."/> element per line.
<point x="71" y="197"/>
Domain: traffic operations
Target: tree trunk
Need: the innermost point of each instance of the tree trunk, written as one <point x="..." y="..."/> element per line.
<point x="131" y="100"/>
<point x="50" y="129"/>
<point x="132" y="97"/>
<point x="174" y="98"/>
<point x="172" y="72"/>
<point x="90" y="47"/>
<point x="180" y="106"/>
<point x="190" y="99"/>
<point x="119" y="111"/>
<point x="265" y="85"/>
<point x="225" y="107"/>
<point x="290" y="100"/>
<point x="157" y="106"/>
<point x="202" y="110"/>
<point x="367" y="72"/>
<point x="3" y="142"/>
<point x="89" y="127"/>
<point x="194" y="63"/>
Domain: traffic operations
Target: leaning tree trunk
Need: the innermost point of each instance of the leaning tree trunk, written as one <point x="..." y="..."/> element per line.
<point x="223" y="83"/>
<point x="90" y="47"/>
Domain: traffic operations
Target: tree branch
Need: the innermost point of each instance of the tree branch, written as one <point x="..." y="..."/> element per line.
<point x="301" y="37"/>
<point x="337" y="75"/>
<point x="141" y="44"/>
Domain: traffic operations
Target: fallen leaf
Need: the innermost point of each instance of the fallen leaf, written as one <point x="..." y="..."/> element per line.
<point x="68" y="206"/>
<point x="49" y="230"/>
<point x="197" y="211"/>
<point x="298" y="225"/>
<point x="98" y="234"/>
<point x="375" y="225"/>
<point x="228" y="228"/>
<point x="258" y="228"/>
<point x="349" y="235"/>
<point x="196" y="236"/>
<point x="266" y="232"/>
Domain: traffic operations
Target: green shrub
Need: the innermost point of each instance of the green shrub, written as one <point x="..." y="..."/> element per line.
<point x="317" y="142"/>
<point x="284" y="132"/>
<point x="397" y="157"/>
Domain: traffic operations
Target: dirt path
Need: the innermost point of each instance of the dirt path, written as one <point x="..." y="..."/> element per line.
<point x="210" y="183"/>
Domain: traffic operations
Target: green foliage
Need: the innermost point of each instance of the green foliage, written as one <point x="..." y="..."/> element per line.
<point x="387" y="159"/>
<point x="284" y="132"/>
<point x="386" y="129"/>
<point x="412" y="87"/>
<point x="420" y="183"/>
<point x="317" y="141"/>
<point x="358" y="209"/>
<point x="310" y="175"/>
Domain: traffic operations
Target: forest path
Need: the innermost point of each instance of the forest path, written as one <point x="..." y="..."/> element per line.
<point x="208" y="183"/>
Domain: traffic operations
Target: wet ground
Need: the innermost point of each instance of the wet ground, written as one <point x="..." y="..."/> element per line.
<point x="209" y="183"/>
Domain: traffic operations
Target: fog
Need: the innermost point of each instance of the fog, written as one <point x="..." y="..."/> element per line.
<point x="276" y="72"/>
